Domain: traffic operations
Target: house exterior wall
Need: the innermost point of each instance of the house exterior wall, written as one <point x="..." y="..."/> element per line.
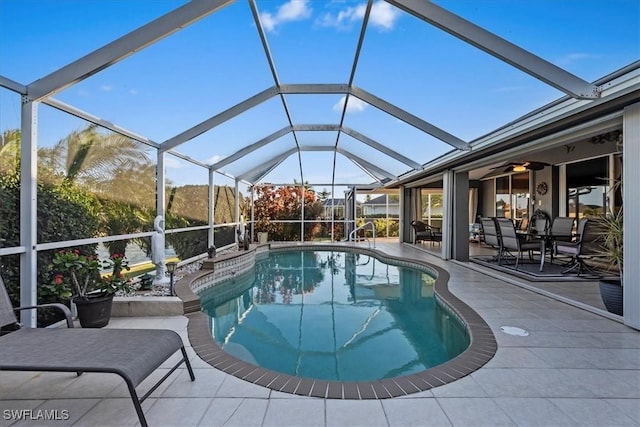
<point x="394" y="210"/>
<point x="631" y="244"/>
<point x="488" y="198"/>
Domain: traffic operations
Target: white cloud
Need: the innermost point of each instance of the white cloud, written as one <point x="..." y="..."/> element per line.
<point x="83" y="93"/>
<point x="343" y="19"/>
<point x="106" y="88"/>
<point x="133" y="92"/>
<point x="572" y="58"/>
<point x="383" y="16"/>
<point x="293" y="10"/>
<point x="355" y="105"/>
<point x="213" y="159"/>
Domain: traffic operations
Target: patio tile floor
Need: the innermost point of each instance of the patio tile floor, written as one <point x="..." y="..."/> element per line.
<point x="574" y="368"/>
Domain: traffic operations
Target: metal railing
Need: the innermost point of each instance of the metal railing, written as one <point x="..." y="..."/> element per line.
<point x="362" y="227"/>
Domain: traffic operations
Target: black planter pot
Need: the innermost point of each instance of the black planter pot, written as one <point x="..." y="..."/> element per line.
<point x="95" y="311"/>
<point x="611" y="294"/>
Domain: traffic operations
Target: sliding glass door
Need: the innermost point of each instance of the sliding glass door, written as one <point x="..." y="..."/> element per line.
<point x="512" y="196"/>
<point x="587" y="187"/>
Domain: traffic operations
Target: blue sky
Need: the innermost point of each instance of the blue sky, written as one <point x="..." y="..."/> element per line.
<point x="218" y="61"/>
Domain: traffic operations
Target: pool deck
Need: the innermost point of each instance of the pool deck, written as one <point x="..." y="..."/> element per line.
<point x="574" y="368"/>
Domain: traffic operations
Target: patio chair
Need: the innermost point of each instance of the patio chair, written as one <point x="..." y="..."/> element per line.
<point x="491" y="237"/>
<point x="511" y="242"/>
<point x="131" y="353"/>
<point x="425" y="232"/>
<point x="584" y="246"/>
<point x="539" y="223"/>
<point x="561" y="231"/>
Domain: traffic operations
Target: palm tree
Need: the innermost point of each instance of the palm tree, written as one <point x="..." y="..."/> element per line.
<point x="118" y="170"/>
<point x="10" y="152"/>
<point x="91" y="156"/>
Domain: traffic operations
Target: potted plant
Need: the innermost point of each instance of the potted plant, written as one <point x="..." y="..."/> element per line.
<point x="77" y="277"/>
<point x="262" y="227"/>
<point x="611" y="250"/>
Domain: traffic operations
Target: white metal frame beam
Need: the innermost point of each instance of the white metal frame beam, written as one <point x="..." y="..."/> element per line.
<point x="313" y="128"/>
<point x="314" y="89"/>
<point x="59" y="105"/>
<point x="258" y="172"/>
<point x="380" y="147"/>
<point x="387" y="107"/>
<point x="218" y="119"/>
<point x="274" y="73"/>
<point x="29" y="210"/>
<point x="250" y="148"/>
<point x="317" y="148"/>
<point x="360" y="137"/>
<point x="318" y="127"/>
<point x="343" y="113"/>
<point x="381" y="104"/>
<point x="365" y="164"/>
<point x="12" y="85"/>
<point x="123" y="47"/>
<point x="409" y="118"/>
<point x="263" y="169"/>
<point x="498" y="47"/>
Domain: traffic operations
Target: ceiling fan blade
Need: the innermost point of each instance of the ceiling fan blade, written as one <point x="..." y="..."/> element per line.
<point x="508" y="167"/>
<point x="536" y="166"/>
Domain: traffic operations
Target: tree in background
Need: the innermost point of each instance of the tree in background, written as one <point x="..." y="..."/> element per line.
<point x="95" y="183"/>
<point x="323" y="195"/>
<point x="9" y="152"/>
<point x="188" y="206"/>
<point x="285" y="203"/>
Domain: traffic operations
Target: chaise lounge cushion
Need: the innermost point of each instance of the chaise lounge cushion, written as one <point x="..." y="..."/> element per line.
<point x="131" y="353"/>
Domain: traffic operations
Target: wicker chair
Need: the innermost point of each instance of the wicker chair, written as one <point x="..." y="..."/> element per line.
<point x="425" y="232"/>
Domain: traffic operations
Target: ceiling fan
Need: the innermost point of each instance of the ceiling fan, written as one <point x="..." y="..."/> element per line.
<point x="522" y="166"/>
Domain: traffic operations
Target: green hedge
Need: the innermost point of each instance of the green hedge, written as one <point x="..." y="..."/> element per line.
<point x="65" y="212"/>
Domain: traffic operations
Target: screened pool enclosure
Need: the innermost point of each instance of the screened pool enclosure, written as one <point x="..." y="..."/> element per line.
<point x="303" y="120"/>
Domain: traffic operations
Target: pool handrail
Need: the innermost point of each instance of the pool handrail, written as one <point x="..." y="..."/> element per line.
<point x="373" y="229"/>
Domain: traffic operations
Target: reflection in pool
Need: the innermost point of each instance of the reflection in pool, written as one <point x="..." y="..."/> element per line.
<point x="333" y="315"/>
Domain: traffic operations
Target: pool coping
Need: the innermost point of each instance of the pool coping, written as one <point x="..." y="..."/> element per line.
<point x="482" y="347"/>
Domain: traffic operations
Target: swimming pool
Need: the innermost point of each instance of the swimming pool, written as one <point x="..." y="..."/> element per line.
<point x="333" y="315"/>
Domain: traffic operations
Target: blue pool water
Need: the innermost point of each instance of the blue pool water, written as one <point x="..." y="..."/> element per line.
<point x="334" y="316"/>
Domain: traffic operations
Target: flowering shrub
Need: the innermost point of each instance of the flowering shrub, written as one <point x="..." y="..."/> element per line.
<point x="77" y="275"/>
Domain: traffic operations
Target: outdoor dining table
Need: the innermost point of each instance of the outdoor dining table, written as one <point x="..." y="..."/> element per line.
<point x="546" y="240"/>
<point x="537" y="236"/>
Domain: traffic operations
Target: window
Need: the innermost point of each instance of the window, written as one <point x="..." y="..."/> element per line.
<point x="503" y="197"/>
<point x="587" y="186"/>
<point x="520" y="195"/>
<point x="512" y="196"/>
